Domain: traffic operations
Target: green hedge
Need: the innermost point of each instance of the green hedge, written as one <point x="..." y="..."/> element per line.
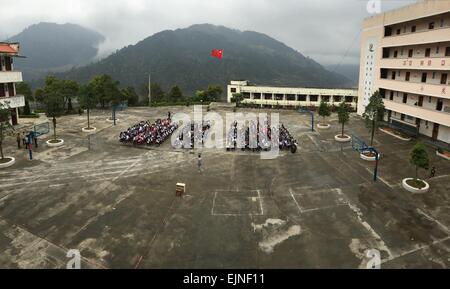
<point x="34" y="115"/>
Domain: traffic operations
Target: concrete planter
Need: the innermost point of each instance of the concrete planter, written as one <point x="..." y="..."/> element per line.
<point x="340" y="138"/>
<point x="442" y="155"/>
<point x="413" y="189"/>
<point x="90" y="130"/>
<point x="394" y="135"/>
<point x="323" y="126"/>
<point x="11" y="162"/>
<point x="111" y="120"/>
<point x="369" y="159"/>
<point x="53" y="144"/>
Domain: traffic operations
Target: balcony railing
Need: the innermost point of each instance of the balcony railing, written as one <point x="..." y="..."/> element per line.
<point x="437" y="90"/>
<point x="439" y="63"/>
<point x="420" y="37"/>
<point x="419" y="112"/>
<point x="10" y="76"/>
<point x="13" y="101"/>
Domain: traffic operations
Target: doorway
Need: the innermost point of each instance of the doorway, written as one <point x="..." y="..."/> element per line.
<point x="14" y="116"/>
<point x="435" y="131"/>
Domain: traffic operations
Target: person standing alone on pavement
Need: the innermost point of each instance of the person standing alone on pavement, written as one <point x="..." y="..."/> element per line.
<point x="18" y="140"/>
<point x="199" y="162"/>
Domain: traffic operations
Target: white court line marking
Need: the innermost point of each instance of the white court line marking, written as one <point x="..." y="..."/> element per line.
<point x="445" y="228"/>
<point x="440" y="177"/>
<point x="298" y="206"/>
<point x="260" y="203"/>
<point x="383" y="180"/>
<point x="393" y="257"/>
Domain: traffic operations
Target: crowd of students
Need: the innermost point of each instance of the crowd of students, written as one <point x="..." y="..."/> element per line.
<point x="150" y="134"/>
<point x="194" y="133"/>
<point x="239" y="137"/>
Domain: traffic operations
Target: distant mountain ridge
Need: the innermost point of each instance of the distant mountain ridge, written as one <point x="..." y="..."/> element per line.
<point x="55" y="47"/>
<point x="182" y="57"/>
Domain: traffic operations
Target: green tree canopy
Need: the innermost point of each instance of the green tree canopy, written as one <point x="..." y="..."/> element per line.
<point x="343" y="115"/>
<point x="130" y="95"/>
<point x="237" y="98"/>
<point x="53" y="98"/>
<point x="214" y="92"/>
<point x="324" y="110"/>
<point x="419" y="157"/>
<point x="374" y="113"/>
<point x="175" y="94"/>
<point x="106" y="89"/>
<point x="69" y="90"/>
<point x="24" y="89"/>
<point x="5" y="126"/>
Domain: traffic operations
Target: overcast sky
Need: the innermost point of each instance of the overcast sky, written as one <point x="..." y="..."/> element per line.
<point x="321" y="29"/>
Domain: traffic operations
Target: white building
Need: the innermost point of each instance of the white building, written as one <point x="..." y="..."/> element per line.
<point x="8" y="79"/>
<point x="405" y="54"/>
<point x="268" y="96"/>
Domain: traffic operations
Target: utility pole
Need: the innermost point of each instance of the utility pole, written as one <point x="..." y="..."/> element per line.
<point x="149" y="90"/>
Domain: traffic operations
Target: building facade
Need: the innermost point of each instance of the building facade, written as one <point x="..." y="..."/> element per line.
<point x="405" y="54"/>
<point x="8" y="79"/>
<point x="269" y="96"/>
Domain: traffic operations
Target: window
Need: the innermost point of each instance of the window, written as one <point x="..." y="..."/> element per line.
<point x="434" y="75"/>
<point x="413" y="29"/>
<point x="391" y="97"/>
<point x="393" y="75"/>
<point x="420" y="101"/>
<point x="2" y="90"/>
<point x="257" y="96"/>
<point x="431" y="25"/>
<point x="326" y="98"/>
<point x="233" y="90"/>
<point x="427" y="52"/>
<point x="349" y="99"/>
<point x="408" y="75"/>
<point x="302" y="98"/>
<point x="437" y="50"/>
<point x="398" y="31"/>
<point x="439" y="105"/>
<point x="442" y="23"/>
<point x="290" y="97"/>
<point x="444" y="78"/>
<point x="337" y="98"/>
<point x="395" y="54"/>
<point x="313" y="98"/>
<point x="405" y="98"/>
<point x="447" y="51"/>
<point x="410" y="53"/>
<point x="424" y="77"/>
<point x="246" y="95"/>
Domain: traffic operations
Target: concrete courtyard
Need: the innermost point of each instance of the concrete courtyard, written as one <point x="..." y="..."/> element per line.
<point x="318" y="208"/>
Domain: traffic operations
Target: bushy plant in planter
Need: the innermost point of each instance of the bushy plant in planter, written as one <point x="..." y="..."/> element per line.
<point x="88" y="100"/>
<point x="324" y="112"/>
<point x="5" y="128"/>
<point x="418" y="158"/>
<point x="373" y="115"/>
<point x="54" y="101"/>
<point x="344" y="118"/>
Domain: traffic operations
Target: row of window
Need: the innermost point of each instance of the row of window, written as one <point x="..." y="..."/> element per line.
<point x="419" y="103"/>
<point x="389" y="31"/>
<point x="411" y="52"/>
<point x="424" y="77"/>
<point x="293" y="97"/>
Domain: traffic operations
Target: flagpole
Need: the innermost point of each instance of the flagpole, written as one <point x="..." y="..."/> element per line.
<point x="149" y="90"/>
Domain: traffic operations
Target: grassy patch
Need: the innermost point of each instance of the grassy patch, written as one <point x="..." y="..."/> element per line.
<point x="417" y="184"/>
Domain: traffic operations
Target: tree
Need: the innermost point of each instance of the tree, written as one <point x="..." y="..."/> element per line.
<point x="343" y="115"/>
<point x="24" y="89"/>
<point x="175" y="94"/>
<point x="130" y="95"/>
<point x="5" y="126"/>
<point x="419" y="157"/>
<point x="69" y="90"/>
<point x="214" y="93"/>
<point x="157" y="92"/>
<point x="201" y="95"/>
<point x="106" y="89"/>
<point x="237" y="98"/>
<point x="88" y="100"/>
<point x="374" y="113"/>
<point x="53" y="99"/>
<point x="324" y="110"/>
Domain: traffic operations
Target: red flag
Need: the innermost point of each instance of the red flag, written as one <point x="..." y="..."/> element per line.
<point x="218" y="53"/>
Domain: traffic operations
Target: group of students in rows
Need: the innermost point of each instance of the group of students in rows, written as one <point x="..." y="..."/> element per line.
<point x="257" y="136"/>
<point x="147" y="133"/>
<point x="193" y="134"/>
